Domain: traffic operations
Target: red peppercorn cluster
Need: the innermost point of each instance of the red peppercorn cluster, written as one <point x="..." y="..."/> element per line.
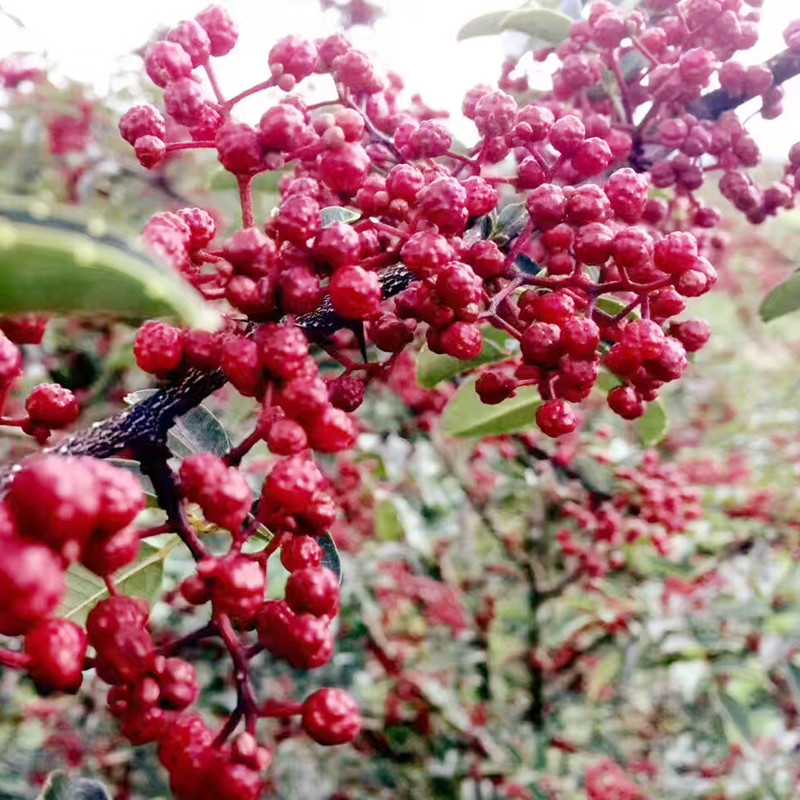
<point x="654" y="501"/>
<point x="606" y="780"/>
<point x="386" y="234"/>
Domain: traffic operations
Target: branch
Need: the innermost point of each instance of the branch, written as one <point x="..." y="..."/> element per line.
<point x="146" y="424"/>
<point x="783" y="66"/>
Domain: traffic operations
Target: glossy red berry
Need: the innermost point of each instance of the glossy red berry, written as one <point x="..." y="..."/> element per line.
<point x="158" y="347"/>
<point x="55" y="500"/>
<point x="300" y="552"/>
<point x="626" y="402"/>
<point x="556" y="418"/>
<point x="355" y="292"/>
<point x="331" y="716"/>
<point x="52" y="405"/>
<point x="56" y="649"/>
<point x="314" y="590"/>
<point x="31" y="584"/>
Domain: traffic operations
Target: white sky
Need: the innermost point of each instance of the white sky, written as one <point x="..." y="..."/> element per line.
<point x="87" y="40"/>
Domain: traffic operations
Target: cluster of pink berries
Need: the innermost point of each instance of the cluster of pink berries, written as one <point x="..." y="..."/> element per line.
<point x="654" y="501"/>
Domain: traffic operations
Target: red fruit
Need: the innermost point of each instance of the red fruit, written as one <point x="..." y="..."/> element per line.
<point x="337" y="245"/>
<point x="461" y="340"/>
<point x="158" y="347"/>
<point x="150" y="151"/>
<point x="55" y="500"/>
<point x="124" y="655"/>
<point x="104" y="555"/>
<point x="185" y="102"/>
<point x="494" y="386"/>
<point x="314" y="590"/>
<point x="31" y="584"/>
<point x="292" y="56"/>
<point x="556" y="418"/>
<point x="346" y="392"/>
<point x="332" y="432"/>
<point x="23" y="329"/>
<point x="355" y="292"/>
<point x="274" y="623"/>
<point x="331" y="716"/>
<point x="166" y="62"/>
<point x="281" y="349"/>
<point x="115" y="612"/>
<point x="286" y="438"/>
<point x="143" y="120"/>
<point x="300" y="552"/>
<point x="237" y="588"/>
<point x="186" y="737"/>
<point x="541" y="344"/>
<point x="56" y="649"/>
<point x="194" y="39"/>
<point x="311" y="642"/>
<point x="242" y="366"/>
<point x="52" y="405"/>
<point x="221" y="491"/>
<point x="546" y="205"/>
<point x="425" y="253"/>
<point x="178" y="684"/>
<point x="10" y="360"/>
<point x="239" y="148"/>
<point x="345" y="169"/>
<point x="580" y="337"/>
<point x="292" y="484"/>
<point x="692" y="334"/>
<point x="626" y="402"/>
<point x="221" y="30"/>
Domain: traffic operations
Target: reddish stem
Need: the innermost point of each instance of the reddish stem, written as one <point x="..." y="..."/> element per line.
<point x="246" y="199"/>
<point x="14" y="659"/>
<point x="259" y="87"/>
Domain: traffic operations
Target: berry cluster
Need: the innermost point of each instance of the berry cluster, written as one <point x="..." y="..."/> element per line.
<point x="606" y="780"/>
<point x="385" y="235"/>
<point x="653" y="501"/>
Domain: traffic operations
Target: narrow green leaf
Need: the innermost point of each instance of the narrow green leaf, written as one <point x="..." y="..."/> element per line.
<point x="653" y="425"/>
<point x="432" y="368"/>
<point x="140" y="579"/>
<point x="485" y="25"/>
<point x="59" y="262"/>
<point x="330" y="555"/>
<point x="604" y="674"/>
<point x="543" y="24"/>
<point x="197" y="431"/>
<point x="333" y="214"/>
<point x="783" y="299"/>
<point x="59" y="786"/>
<point x="737" y="713"/>
<point x="466" y="415"/>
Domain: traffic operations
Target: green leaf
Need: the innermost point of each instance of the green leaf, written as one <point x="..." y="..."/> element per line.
<point x="59" y="786"/>
<point x="388" y="525"/>
<point x="543" y="24"/>
<point x="330" y="555"/>
<point x="737" y="714"/>
<point x="333" y="214"/>
<point x="140" y="579"/>
<point x="197" y="431"/>
<point x="653" y="425"/>
<point x="485" y="25"/>
<point x="604" y="674"/>
<point x="510" y="222"/>
<point x="466" y="415"/>
<point x="783" y="299"/>
<point x="432" y="368"/>
<point x="71" y="264"/>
